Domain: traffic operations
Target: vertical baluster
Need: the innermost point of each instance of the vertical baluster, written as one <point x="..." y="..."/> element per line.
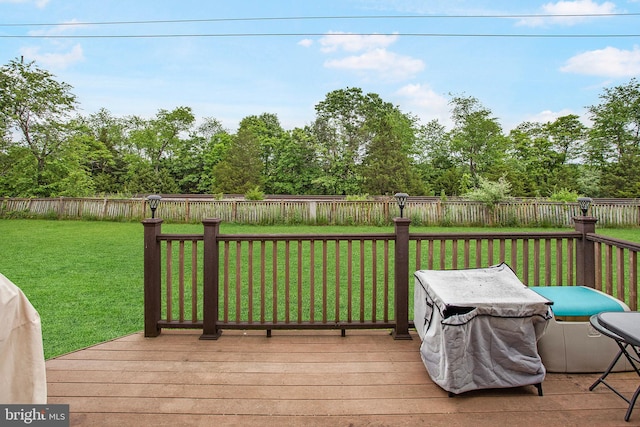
<point x="431" y="251"/>
<point x="536" y="262"/>
<point x="250" y="281"/>
<point x="181" y="281"/>
<point x="598" y="267"/>
<point x="337" y="281"/>
<point x="263" y="294"/>
<point x="633" y="280"/>
<point x="238" y="276"/>
<point x="225" y="297"/>
<point x="620" y="274"/>
<point x="287" y="281"/>
<point x="194" y="281"/>
<point x="386" y="281"/>
<point x="349" y="280"/>
<point x="299" y="281"/>
<point x="559" y="262"/>
<point x="324" y="281"/>
<point x="547" y="262"/>
<point x="443" y="254"/>
<point x="312" y="281"/>
<point x="374" y="279"/>
<point x="466" y="246"/>
<point x="570" y="263"/>
<point x="274" y="273"/>
<point x="490" y="251"/>
<point x="169" y="279"/>
<point x="362" y="262"/>
<point x="454" y="253"/>
<point x="609" y="269"/>
<point x="525" y="261"/>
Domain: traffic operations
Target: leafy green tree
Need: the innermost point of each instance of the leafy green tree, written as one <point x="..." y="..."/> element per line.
<point x="241" y="168"/>
<point x="160" y="137"/>
<point x="72" y="169"/>
<point x="615" y="132"/>
<point x="613" y="145"/>
<point x="567" y="135"/>
<point x="193" y="160"/>
<point x="491" y="192"/>
<point x="141" y="177"/>
<point x="35" y="109"/>
<point x="18" y="172"/>
<point x="387" y="166"/>
<point x="106" y="140"/>
<point x="294" y="167"/>
<point x="155" y="143"/>
<point x="433" y="159"/>
<point x="342" y="137"/>
<point x="544" y="155"/>
<point x="270" y="137"/>
<point x="534" y="159"/>
<point x="476" y="139"/>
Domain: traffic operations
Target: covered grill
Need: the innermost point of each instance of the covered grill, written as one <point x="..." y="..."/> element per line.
<point x="479" y="328"/>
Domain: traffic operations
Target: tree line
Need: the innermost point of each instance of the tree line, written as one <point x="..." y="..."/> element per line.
<point x="357" y="144"/>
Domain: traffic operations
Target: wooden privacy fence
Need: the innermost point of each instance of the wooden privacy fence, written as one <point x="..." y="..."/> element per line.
<point x="422" y="211"/>
<point x="214" y="281"/>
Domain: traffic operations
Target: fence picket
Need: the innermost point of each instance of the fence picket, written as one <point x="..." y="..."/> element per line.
<point x="433" y="211"/>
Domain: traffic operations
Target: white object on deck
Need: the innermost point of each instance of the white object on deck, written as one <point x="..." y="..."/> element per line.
<point x="22" y="367"/>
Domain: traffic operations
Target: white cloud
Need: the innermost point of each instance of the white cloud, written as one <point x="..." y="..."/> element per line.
<point x="350" y="42"/>
<point x="426" y="103"/>
<point x="305" y="42"/>
<point x="374" y="56"/>
<point x="607" y="62"/>
<point x="569" y="9"/>
<point x="388" y="64"/>
<point x="55" y="30"/>
<point x="39" y="3"/>
<point x="547" y="116"/>
<point x="54" y="60"/>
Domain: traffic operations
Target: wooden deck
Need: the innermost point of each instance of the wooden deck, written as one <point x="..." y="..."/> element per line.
<point x="303" y="378"/>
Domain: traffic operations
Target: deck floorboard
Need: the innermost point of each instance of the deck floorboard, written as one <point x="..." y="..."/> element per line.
<point x="305" y="378"/>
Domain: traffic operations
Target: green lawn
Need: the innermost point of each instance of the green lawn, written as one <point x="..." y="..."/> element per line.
<point x="85" y="278"/>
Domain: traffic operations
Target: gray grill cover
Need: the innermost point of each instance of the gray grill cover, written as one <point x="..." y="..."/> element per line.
<point x="479" y="328"/>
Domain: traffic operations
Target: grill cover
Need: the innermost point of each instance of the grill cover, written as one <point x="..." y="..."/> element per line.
<point x="22" y="366"/>
<point x="479" y="328"/>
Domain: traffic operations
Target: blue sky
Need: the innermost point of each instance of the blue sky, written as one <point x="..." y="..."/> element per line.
<point x="461" y="51"/>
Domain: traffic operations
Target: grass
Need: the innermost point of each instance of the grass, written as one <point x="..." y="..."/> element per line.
<point x="85" y="277"/>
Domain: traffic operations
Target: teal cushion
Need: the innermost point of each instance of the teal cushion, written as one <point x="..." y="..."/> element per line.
<point x="578" y="300"/>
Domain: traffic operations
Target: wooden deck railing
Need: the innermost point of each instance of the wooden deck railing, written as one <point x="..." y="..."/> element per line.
<point x="616" y="268"/>
<point x="215" y="281"/>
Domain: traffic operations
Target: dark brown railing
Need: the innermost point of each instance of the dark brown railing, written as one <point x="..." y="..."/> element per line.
<point x="215" y="281"/>
<point x="616" y="268"/>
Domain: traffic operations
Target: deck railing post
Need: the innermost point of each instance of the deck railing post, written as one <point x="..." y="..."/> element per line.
<point x="210" y="280"/>
<point x="401" y="285"/>
<point x="585" y="252"/>
<point x="152" y="273"/>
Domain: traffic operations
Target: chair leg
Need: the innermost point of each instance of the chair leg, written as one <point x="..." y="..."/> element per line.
<point x="632" y="403"/>
<point x="539" y="387"/>
<point x="608" y="371"/>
